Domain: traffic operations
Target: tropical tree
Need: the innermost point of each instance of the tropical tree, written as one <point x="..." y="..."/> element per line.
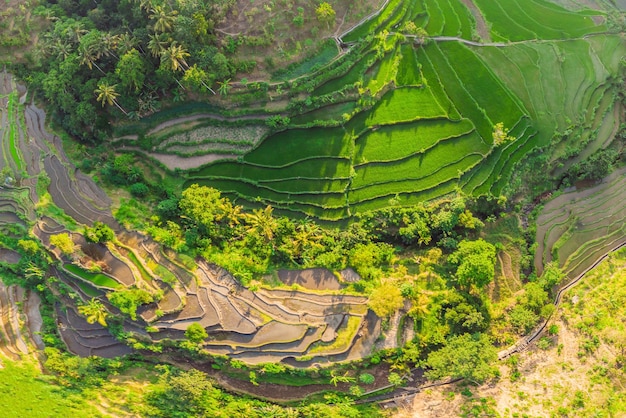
<point x="224" y="87"/>
<point x="95" y="311"/>
<point x="385" y="300"/>
<point x="174" y="56"/>
<point x="340" y="378"/>
<point x="106" y="94"/>
<point x="325" y="13"/>
<point x="163" y="20"/>
<point x="262" y="222"/>
<point x="157" y="44"/>
<point x="464" y="356"/>
<point x="64" y="243"/>
<point x="131" y="69"/>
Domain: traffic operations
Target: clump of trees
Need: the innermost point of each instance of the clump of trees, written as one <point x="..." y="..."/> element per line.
<point x="126" y="57"/>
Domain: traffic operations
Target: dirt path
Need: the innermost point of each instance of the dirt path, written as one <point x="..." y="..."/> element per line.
<point x="481" y="25"/>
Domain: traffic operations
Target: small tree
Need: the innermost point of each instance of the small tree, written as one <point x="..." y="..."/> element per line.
<point x="64" y="243"/>
<point x="385" y="300"/>
<point x="95" y="311"/>
<point x="196" y="333"/>
<point x="325" y="13"/>
<point x="464" y="356"/>
<point x="501" y="134"/>
<point x="99" y="233"/>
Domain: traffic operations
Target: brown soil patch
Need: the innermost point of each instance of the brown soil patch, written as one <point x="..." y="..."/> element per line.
<point x="173" y="162"/>
<point x="481" y="25"/>
<point x="315" y="279"/>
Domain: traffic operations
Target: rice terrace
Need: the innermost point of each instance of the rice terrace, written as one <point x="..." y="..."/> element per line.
<point x="313" y="209"/>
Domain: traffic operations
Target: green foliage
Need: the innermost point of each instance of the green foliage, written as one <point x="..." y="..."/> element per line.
<point x="325" y="13"/>
<point x="385" y="300"/>
<point x="196" y="333"/>
<point x="129" y="300"/>
<point x="64" y="243"/>
<point x="464" y="356"/>
<point x="139" y="190"/>
<point x="476" y="263"/>
<point x="366" y="378"/>
<point x="30" y="394"/>
<point x="522" y="319"/>
<point x="99" y="233"/>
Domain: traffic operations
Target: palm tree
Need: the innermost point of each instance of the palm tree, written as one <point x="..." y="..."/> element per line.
<point x="126" y="42"/>
<point x="262" y="222"/>
<point x="106" y="94"/>
<point x="157" y="44"/>
<point x="78" y="30"/>
<point x="62" y="49"/>
<point x="88" y="57"/>
<point x="224" y="87"/>
<point x="336" y="378"/>
<point x="94" y="310"/>
<point x="174" y="57"/>
<point x="163" y="20"/>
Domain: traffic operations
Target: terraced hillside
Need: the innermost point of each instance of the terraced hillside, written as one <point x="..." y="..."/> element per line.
<point x="44" y="194"/>
<point x="401" y="116"/>
<point x="578" y="227"/>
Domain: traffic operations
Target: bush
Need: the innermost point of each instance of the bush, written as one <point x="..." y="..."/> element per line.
<point x="366" y="378"/>
<point x="139" y="190"/>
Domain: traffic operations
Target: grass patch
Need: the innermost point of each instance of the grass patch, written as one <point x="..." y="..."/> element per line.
<point x="97" y="279"/>
<point x="300" y="144"/>
<point x="24" y="393"/>
<point x="345" y="336"/>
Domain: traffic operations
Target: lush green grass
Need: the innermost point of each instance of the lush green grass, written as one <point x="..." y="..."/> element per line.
<point x="405" y="199"/>
<point x="428" y="179"/>
<point x="393" y="142"/>
<point x="325" y="113"/>
<point x="24" y="394"/>
<point x="518" y="20"/>
<point x="420" y="165"/>
<point x="305" y="185"/>
<point x="454" y="88"/>
<point x="246" y="189"/>
<point x="98" y="279"/>
<point x="433" y="81"/>
<point x="299" y="144"/>
<point x="12" y="111"/>
<point x="352" y="76"/>
<point x="313" y="168"/>
<point x="320" y="58"/>
<point x="404" y="105"/>
<point x="480" y="83"/>
<point x="408" y="71"/>
<point x="436" y="18"/>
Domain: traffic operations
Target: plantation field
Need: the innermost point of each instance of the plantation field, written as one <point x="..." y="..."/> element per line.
<point x="517" y="20"/>
<point x="400" y="118"/>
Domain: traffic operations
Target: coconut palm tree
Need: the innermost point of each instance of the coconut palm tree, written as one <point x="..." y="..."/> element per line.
<point x="163" y="20"/>
<point x="88" y="57"/>
<point x="157" y="44"/>
<point x="94" y="311"/>
<point x="106" y="94"/>
<point x="262" y="222"/>
<point x="174" y="57"/>
<point x="224" y="87"/>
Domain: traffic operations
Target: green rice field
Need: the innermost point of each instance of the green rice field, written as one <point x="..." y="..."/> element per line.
<point x="414" y="121"/>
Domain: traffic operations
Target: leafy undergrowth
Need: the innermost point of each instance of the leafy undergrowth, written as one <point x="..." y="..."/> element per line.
<point x="575" y="370"/>
<point x="24" y="392"/>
